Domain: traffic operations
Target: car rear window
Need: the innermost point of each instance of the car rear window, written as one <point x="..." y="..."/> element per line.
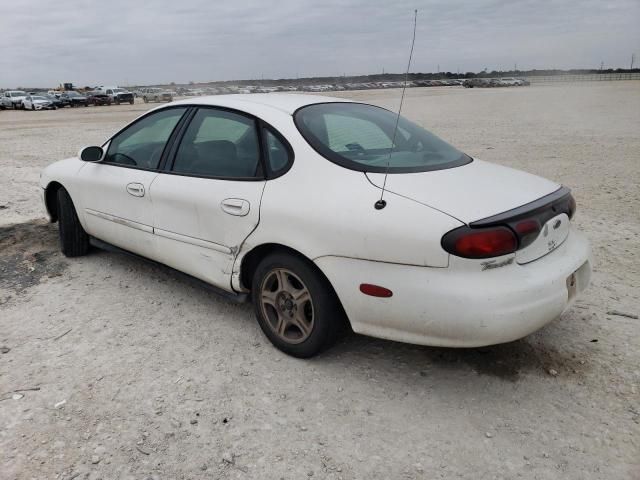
<point x="361" y="137"/>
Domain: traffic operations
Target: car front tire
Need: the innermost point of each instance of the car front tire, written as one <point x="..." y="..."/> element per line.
<point x="74" y="241"/>
<point x="295" y="305"/>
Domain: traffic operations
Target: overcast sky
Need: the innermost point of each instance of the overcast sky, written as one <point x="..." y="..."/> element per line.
<point x="44" y="42"/>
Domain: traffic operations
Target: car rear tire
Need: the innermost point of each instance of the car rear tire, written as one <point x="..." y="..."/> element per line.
<point x="74" y="241"/>
<point x="295" y="305"/>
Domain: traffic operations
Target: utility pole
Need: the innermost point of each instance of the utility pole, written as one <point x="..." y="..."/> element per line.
<point x="601" y="65"/>
<point x="633" y="59"/>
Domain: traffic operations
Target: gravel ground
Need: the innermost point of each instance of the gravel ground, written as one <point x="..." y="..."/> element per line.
<point x="114" y="369"/>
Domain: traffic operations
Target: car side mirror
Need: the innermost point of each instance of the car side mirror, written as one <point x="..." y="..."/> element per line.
<point x="91" y="154"/>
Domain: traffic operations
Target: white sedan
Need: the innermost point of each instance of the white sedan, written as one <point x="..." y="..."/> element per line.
<point x="37" y="102"/>
<point x="277" y="198"/>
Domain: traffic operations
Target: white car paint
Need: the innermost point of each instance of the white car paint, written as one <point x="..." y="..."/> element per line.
<point x="206" y="227"/>
<point x="494" y="186"/>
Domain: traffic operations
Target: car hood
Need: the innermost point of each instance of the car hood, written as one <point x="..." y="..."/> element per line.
<point x="471" y="192"/>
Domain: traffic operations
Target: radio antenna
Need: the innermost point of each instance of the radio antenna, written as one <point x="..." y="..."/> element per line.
<point x="380" y="204"/>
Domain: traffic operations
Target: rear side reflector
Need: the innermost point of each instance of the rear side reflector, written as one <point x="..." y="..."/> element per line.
<point x="480" y="242"/>
<point x="375" y="290"/>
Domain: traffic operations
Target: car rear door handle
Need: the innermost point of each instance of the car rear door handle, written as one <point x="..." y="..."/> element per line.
<point x="235" y="206"/>
<point x="135" y="189"/>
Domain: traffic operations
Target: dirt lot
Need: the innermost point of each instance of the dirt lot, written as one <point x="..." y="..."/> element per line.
<point x="114" y="369"/>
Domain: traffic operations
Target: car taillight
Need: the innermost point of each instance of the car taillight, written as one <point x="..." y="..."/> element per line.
<point x="480" y="242"/>
<point x="527" y="231"/>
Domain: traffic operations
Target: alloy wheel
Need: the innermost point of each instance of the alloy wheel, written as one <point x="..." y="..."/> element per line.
<point x="287" y="306"/>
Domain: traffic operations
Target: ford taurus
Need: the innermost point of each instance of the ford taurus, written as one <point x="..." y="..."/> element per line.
<point x="279" y="199"/>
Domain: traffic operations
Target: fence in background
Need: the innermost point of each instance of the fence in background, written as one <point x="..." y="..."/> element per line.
<point x="590" y="77"/>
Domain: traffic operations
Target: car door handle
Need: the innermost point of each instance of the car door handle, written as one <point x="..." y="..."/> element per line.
<point x="235" y="206"/>
<point x="135" y="189"/>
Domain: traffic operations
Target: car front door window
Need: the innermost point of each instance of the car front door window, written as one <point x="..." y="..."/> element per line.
<point x="141" y="145"/>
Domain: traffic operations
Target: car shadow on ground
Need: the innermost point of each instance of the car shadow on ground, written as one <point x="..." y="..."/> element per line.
<point x="28" y="254"/>
<point x="509" y="361"/>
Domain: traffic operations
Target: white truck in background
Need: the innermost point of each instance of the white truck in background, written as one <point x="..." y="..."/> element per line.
<point x="118" y="95"/>
<point x="12" y="99"/>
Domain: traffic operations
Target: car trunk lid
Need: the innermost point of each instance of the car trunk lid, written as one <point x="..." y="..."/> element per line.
<point x="470" y="192"/>
<point x="481" y="194"/>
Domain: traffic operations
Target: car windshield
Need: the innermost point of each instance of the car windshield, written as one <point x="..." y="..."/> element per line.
<point x="73" y="94"/>
<point x="38" y="97"/>
<point x="17" y="94"/>
<point x="118" y="90"/>
<point x="359" y="137"/>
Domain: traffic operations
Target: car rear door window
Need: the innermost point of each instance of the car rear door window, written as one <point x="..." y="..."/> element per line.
<point x="218" y="143"/>
<point x="141" y="145"/>
<point x="277" y="153"/>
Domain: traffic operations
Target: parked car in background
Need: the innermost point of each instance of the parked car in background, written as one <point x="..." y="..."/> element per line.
<point x="475" y="82"/>
<point x="52" y="98"/>
<point x="156" y="95"/>
<point x="466" y="253"/>
<point x="98" y="98"/>
<point x="74" y="99"/>
<point x="118" y="95"/>
<point x="511" y="82"/>
<point x="12" y="99"/>
<point x="37" y="102"/>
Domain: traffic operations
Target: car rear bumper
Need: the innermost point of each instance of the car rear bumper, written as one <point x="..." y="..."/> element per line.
<point x="455" y="307"/>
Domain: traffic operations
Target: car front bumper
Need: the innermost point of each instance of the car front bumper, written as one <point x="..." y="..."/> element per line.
<point x="461" y="307"/>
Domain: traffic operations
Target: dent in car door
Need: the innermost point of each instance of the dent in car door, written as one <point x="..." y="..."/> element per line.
<point x="210" y="201"/>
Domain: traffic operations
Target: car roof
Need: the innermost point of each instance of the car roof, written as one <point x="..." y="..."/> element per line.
<point x="285" y="102"/>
